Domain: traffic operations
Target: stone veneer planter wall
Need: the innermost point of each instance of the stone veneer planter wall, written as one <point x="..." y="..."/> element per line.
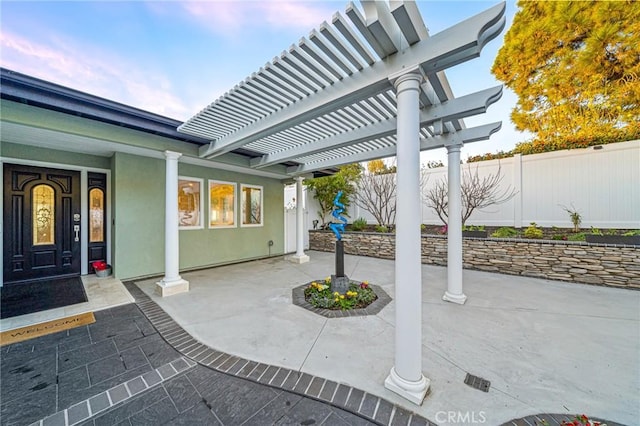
<point x="579" y="262"/>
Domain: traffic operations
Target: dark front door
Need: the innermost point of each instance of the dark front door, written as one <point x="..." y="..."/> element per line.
<point x="41" y="223"/>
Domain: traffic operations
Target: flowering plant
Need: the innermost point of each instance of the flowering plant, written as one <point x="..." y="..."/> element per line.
<point x="359" y="295"/>
<point x="582" y="420"/>
<point x="99" y="265"/>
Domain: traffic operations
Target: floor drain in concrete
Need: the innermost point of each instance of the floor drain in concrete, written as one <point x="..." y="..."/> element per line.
<point x="477" y="382"/>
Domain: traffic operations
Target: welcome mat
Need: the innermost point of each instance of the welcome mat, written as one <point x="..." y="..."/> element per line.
<point x="37" y="330"/>
<point x="21" y="299"/>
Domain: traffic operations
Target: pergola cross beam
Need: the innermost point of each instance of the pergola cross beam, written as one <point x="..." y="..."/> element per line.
<point x="454" y="109"/>
<point x="469" y="135"/>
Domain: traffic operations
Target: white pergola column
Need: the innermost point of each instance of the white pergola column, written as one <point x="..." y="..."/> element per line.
<point x="299" y="257"/>
<point x="172" y="283"/>
<point x="454" y="229"/>
<point x="406" y="378"/>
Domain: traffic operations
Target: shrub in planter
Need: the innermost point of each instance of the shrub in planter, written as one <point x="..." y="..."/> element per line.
<point x="575" y="216"/>
<point x="533" y="232"/>
<point x="580" y="236"/>
<point x="359" y="224"/>
<point x="505" y="232"/>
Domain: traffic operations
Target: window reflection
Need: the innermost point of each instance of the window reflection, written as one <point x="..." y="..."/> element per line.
<point x="222" y="197"/>
<point x="189" y="207"/>
<point x="251" y="205"/>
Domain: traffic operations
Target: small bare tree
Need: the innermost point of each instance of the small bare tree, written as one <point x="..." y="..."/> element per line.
<point x="377" y="195"/>
<point x="377" y="192"/>
<point x="437" y="199"/>
<point x="477" y="193"/>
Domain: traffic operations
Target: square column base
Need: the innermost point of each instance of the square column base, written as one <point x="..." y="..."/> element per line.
<point x="299" y="259"/>
<point x="170" y="288"/>
<point x="454" y="298"/>
<point x="409" y="390"/>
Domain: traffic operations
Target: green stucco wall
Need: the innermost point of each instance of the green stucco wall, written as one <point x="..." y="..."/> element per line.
<point x="138" y="206"/>
<point x="138" y="216"/>
<point x="213" y="246"/>
<point x="138" y="198"/>
<point x="34" y="153"/>
<point x="60" y="122"/>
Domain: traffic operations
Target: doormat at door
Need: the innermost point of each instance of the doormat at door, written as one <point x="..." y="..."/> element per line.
<point x="37" y="330"/>
<point x="21" y="299"/>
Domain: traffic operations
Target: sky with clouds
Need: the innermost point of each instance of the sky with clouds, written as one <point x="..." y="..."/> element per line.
<point x="175" y="57"/>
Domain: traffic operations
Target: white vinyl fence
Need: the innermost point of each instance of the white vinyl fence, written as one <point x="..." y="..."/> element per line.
<point x="290" y="217"/>
<point x="602" y="183"/>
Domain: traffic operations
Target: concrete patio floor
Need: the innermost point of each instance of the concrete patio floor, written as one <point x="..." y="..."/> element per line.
<point x="546" y="346"/>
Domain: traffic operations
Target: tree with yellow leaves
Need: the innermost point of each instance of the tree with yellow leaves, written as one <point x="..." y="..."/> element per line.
<point x="575" y="66"/>
<point x="376" y="167"/>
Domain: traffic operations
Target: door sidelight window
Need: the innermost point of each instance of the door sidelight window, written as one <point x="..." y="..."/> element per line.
<point x="96" y="215"/>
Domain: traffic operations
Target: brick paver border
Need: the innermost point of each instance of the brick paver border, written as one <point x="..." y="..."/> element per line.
<point x="348" y="398"/>
<point x="118" y="394"/>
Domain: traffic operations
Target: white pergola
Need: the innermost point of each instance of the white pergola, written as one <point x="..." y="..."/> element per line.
<point x="368" y="85"/>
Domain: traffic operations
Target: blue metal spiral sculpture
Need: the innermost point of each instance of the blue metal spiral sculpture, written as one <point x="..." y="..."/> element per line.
<point x="338" y="228"/>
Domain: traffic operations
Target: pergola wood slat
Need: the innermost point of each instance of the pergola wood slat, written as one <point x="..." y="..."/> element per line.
<point x="435" y="52"/>
<point x="341" y="25"/>
<point x="329" y="96"/>
<point x="312" y="64"/>
<point x="346" y="51"/>
<point x="331" y="52"/>
<point x="318" y="56"/>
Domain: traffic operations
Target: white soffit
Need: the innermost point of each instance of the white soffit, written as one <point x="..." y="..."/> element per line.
<point x="328" y="100"/>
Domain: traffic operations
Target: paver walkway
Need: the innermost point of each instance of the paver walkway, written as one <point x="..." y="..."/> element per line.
<point x="119" y="370"/>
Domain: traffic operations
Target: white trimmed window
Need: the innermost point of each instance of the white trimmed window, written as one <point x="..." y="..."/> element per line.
<point x="251" y="207"/>
<point x="190" y="205"/>
<point x="222" y="204"/>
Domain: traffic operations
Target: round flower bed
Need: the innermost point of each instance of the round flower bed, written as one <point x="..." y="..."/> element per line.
<point x="319" y="294"/>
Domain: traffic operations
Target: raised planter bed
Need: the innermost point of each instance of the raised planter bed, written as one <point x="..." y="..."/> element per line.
<point x="475" y="234"/>
<point x="627" y="240"/>
<point x="573" y="261"/>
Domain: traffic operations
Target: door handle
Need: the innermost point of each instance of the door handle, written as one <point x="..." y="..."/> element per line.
<point x="76" y="229"/>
